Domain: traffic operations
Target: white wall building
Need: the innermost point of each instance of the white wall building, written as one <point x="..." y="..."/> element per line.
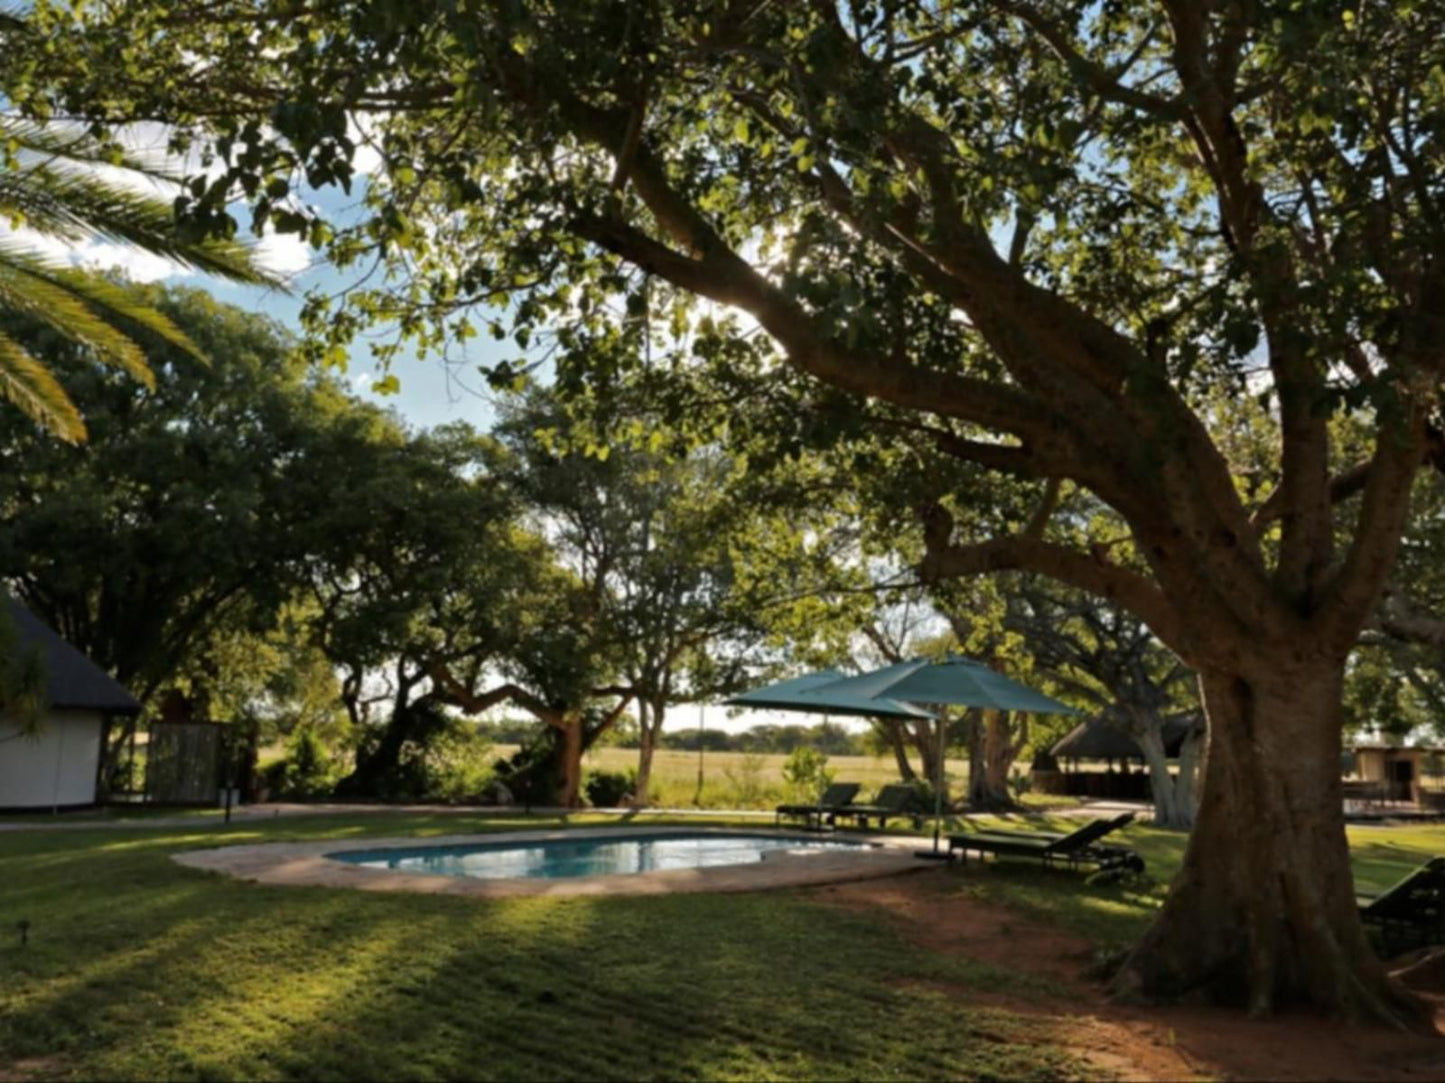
<point x="59" y="767"/>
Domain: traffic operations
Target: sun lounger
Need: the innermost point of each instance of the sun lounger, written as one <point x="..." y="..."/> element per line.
<point x="1414" y="909"/>
<point x="1077" y="849"/>
<point x="1117" y="822"/>
<point x="891" y="802"/>
<point x="834" y="798"/>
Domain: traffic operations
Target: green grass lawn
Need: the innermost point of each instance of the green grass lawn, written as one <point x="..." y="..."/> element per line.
<point x="138" y="968"/>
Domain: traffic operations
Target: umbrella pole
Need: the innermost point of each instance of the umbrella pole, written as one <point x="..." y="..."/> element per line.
<point x="938" y="773"/>
<point x="938" y="785"/>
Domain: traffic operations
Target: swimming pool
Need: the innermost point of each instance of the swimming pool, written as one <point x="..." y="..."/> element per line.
<point x="556" y="859"/>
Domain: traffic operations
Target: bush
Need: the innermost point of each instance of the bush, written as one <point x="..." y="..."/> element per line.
<point x="806" y="773"/>
<point x="747" y="780"/>
<point x="307" y="771"/>
<point x="530" y="773"/>
<point x="923" y="797"/>
<point x="607" y="789"/>
<point x="455" y="763"/>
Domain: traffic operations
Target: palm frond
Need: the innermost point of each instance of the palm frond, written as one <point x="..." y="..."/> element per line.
<point x="71" y="142"/>
<point x="28" y="384"/>
<point x="46" y="292"/>
<point x="116" y="301"/>
<point x="76" y="206"/>
<point x="57" y="183"/>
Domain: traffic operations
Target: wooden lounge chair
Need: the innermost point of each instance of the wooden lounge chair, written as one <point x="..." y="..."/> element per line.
<point x="1413" y="910"/>
<point x="894" y="801"/>
<point x="1077" y="849"/>
<point x="834" y="798"/>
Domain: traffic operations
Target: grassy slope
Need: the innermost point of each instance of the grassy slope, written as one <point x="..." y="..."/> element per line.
<point x="138" y="968"/>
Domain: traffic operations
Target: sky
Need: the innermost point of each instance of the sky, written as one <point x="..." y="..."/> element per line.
<point x="431" y="393"/>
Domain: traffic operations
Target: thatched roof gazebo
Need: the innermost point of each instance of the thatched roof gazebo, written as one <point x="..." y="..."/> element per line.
<point x="1100" y="739"/>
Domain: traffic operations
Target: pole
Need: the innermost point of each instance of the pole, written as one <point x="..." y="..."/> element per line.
<point x="697" y="797"/>
<point x="937" y="854"/>
<point x="228" y="752"/>
<point x="938" y="782"/>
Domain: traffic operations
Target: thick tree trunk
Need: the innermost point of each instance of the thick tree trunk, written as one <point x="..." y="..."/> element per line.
<point x="569" y="760"/>
<point x="645" y="748"/>
<point x="1171" y="808"/>
<point x="891" y="730"/>
<point x="1185" y="791"/>
<point x="925" y="743"/>
<point x="380" y="771"/>
<point x="1263" y="910"/>
<point x="991" y="754"/>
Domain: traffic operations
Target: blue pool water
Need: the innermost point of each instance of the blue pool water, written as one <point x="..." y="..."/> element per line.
<point x="558" y="858"/>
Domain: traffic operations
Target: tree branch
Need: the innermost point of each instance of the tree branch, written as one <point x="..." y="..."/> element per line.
<point x="946" y="560"/>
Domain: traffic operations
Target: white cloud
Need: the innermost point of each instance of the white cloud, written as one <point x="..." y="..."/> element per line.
<point x="137" y="265"/>
<point x="283" y="253"/>
<point x="361" y="129"/>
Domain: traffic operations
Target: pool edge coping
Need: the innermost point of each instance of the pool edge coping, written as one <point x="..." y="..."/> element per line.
<point x="307" y="864"/>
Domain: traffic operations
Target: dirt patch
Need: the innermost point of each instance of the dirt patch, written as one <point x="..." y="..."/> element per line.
<point x="1127" y="1042"/>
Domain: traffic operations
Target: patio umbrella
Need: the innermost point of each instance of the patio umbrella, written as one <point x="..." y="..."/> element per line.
<point x="801" y="694"/>
<point x="954" y="681"/>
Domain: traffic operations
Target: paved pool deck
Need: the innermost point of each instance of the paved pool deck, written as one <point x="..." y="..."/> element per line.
<point x="92" y="820"/>
<point x="306" y="864"/>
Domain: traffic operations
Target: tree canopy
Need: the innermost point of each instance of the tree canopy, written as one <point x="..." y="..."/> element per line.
<point x="1068" y="243"/>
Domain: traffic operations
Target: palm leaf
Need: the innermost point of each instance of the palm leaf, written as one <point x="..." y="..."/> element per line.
<point x="30" y="386"/>
<point x="99" y="292"/>
<point x="71" y="201"/>
<point x="71" y="142"/>
<point x="58" y="189"/>
<point x="117" y="302"/>
<point x="29" y="286"/>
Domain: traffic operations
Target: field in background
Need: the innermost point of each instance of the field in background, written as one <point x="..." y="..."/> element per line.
<point x="741" y="779"/>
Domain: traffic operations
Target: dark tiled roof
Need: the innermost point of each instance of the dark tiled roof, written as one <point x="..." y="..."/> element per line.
<point x="72" y="680"/>
<point x="1098" y="739"/>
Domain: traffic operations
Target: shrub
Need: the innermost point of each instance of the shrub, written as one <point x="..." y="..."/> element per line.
<point x="308" y="769"/>
<point x="530" y="773"/>
<point x="923" y="797"/>
<point x="746" y="780"/>
<point x="806" y="773"/>
<point x="455" y="763"/>
<point x="606" y="789"/>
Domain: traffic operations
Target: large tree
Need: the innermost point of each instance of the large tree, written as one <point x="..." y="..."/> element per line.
<point x="414" y="561"/>
<point x="1047" y="235"/>
<point x="194" y="507"/>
